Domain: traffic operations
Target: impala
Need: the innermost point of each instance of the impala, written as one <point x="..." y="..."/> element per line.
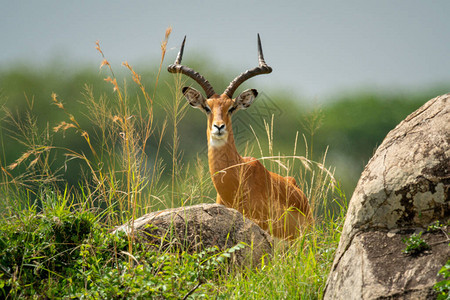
<point x="274" y="202"/>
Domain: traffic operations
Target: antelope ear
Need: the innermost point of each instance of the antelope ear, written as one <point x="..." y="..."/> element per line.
<point x="245" y="99"/>
<point x="195" y="99"/>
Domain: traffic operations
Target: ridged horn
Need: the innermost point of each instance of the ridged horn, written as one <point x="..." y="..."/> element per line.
<point x="263" y="68"/>
<point x="177" y="67"/>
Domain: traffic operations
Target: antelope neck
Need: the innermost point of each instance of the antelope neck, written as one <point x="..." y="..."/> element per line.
<point x="223" y="157"/>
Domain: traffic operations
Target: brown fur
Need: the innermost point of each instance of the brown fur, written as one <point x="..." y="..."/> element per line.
<point x="276" y="203"/>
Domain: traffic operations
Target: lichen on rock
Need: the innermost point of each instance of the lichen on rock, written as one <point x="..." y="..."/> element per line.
<point x="405" y="186"/>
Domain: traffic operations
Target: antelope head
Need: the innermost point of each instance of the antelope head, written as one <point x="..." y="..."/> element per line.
<point x="219" y="108"/>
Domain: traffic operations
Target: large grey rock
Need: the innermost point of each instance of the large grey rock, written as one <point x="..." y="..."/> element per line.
<point x="405" y="186"/>
<point x="197" y="227"/>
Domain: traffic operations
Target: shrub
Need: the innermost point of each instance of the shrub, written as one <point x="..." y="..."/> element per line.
<point x="63" y="253"/>
<point x="415" y="244"/>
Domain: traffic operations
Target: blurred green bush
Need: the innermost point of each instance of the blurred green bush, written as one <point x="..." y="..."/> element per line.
<point x="350" y="126"/>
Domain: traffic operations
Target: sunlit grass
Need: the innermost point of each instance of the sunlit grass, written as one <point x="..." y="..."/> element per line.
<point x="297" y="271"/>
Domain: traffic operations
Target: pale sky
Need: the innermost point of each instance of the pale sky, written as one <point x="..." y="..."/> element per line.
<point x="316" y="48"/>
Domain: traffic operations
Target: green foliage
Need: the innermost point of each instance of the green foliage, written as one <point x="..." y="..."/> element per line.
<point x="415" y="244"/>
<point x="443" y="287"/>
<point x="435" y="226"/>
<point x="61" y="253"/>
<point x="68" y="254"/>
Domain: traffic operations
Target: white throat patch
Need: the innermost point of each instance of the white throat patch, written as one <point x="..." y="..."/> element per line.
<point x="217" y="143"/>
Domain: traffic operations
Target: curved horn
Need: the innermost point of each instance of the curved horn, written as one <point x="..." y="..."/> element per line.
<point x="176" y="67"/>
<point x="262" y="69"/>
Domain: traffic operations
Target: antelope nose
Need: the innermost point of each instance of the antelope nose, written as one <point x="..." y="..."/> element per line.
<point x="219" y="127"/>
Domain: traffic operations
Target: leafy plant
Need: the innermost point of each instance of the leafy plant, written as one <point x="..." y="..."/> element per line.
<point x="435" y="226"/>
<point x="415" y="244"/>
<point x="73" y="256"/>
<point x="443" y="287"/>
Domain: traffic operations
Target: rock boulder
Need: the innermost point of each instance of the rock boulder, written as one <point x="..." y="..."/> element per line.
<point x="197" y="227"/>
<point x="404" y="187"/>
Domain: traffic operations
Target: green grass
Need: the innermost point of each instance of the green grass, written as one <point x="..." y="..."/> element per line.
<point x="56" y="239"/>
<point x="65" y="250"/>
<point x="58" y="248"/>
<point x="296" y="271"/>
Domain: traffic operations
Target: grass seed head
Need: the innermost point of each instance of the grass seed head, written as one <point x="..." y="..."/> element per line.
<point x="104" y="63"/>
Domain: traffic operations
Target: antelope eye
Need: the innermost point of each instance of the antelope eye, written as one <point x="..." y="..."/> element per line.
<point x="232" y="109"/>
<point x="207" y="109"/>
